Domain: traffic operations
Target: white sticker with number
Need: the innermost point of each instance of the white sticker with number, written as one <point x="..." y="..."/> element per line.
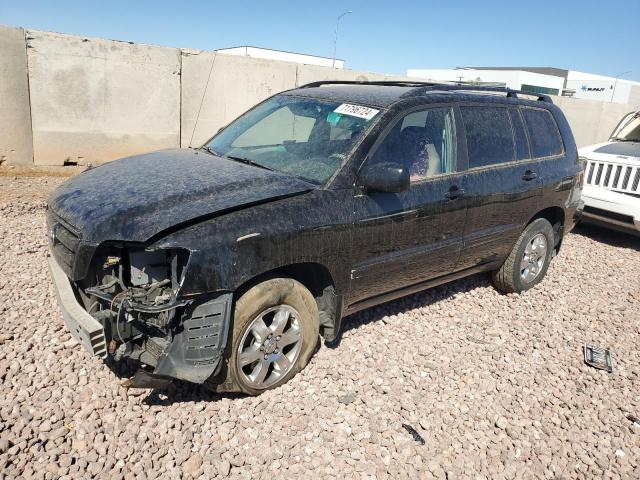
<point x="357" y="111"/>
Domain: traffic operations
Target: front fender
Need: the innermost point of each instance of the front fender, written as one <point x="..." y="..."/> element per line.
<point x="230" y="250"/>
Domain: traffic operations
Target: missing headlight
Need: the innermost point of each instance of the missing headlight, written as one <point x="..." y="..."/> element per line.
<point x="135" y="294"/>
<point x="148" y="267"/>
<point x="149" y="280"/>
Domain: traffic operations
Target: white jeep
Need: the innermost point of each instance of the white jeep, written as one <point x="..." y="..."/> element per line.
<point x="611" y="192"/>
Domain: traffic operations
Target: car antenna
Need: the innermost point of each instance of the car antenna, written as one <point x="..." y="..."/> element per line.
<point x="206" y="85"/>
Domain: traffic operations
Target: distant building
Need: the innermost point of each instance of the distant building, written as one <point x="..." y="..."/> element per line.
<point x="548" y="80"/>
<point x="269" y="54"/>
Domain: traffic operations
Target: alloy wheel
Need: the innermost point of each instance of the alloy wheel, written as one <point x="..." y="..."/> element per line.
<point x="535" y="254"/>
<point x="269" y="347"/>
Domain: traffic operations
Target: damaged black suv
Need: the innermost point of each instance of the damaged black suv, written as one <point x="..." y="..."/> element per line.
<point x="221" y="265"/>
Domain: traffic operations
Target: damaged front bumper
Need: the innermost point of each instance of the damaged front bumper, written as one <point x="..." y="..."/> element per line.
<point x="192" y="350"/>
<point x="83" y="327"/>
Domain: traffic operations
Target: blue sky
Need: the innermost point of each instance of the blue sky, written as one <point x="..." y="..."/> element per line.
<point x="388" y="36"/>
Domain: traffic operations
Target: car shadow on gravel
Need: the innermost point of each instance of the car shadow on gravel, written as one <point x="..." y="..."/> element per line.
<point x="608" y="236"/>
<point x="417" y="300"/>
<point x="175" y="392"/>
<point x="185" y="392"/>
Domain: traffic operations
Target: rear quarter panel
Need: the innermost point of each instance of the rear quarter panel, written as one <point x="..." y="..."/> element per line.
<point x="561" y="176"/>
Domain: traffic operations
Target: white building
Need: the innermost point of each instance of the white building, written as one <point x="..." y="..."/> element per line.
<point x="256" y="52"/>
<point x="515" y="79"/>
<point x="603" y="88"/>
<point x="552" y="81"/>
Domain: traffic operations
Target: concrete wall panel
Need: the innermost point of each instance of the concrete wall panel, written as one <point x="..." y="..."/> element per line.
<point x="313" y="73"/>
<point x="236" y="84"/>
<point x="591" y="121"/>
<point x="95" y="100"/>
<point x="16" y="143"/>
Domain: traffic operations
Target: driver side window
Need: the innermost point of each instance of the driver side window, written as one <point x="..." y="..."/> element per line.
<point x="423" y="141"/>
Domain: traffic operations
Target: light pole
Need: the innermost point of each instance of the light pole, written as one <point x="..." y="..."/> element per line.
<point x="616" y="83"/>
<point x="335" y="37"/>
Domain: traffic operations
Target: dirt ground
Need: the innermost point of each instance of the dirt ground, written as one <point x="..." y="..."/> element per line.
<point x="494" y="385"/>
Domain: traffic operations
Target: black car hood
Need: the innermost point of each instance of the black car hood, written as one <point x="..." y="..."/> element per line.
<point x="137" y="198"/>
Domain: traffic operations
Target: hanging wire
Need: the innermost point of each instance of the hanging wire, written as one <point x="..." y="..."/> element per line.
<point x="195" y="125"/>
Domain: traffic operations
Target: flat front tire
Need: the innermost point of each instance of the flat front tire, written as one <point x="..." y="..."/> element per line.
<point x="275" y="332"/>
<point x="529" y="259"/>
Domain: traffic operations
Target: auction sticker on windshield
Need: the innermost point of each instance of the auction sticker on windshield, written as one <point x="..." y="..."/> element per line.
<point x="357" y="111"/>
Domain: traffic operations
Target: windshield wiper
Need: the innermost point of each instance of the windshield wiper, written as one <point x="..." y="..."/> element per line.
<point x="234" y="158"/>
<point x="247" y="161"/>
<point x="210" y="150"/>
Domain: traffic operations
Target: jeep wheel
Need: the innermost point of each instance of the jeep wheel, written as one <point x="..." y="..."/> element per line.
<point x="275" y="332"/>
<point x="529" y="260"/>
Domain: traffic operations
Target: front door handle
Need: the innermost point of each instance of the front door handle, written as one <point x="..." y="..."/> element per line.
<point x="529" y="175"/>
<point x="454" y="192"/>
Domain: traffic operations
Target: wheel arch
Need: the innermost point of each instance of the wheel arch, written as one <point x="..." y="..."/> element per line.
<point x="316" y="278"/>
<point x="556" y="217"/>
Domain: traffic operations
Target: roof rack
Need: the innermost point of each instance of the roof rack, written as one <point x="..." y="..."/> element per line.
<point x="480" y="88"/>
<point x="398" y="83"/>
<point x="433" y="86"/>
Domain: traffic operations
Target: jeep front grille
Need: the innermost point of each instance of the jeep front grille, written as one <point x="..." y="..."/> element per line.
<point x="622" y="177"/>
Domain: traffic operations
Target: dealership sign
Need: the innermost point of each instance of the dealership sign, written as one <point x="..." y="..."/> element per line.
<point x="585" y="88"/>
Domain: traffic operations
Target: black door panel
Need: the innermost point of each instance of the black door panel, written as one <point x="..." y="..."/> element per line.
<point x="402" y="239"/>
<point x="499" y="204"/>
<point x="503" y="188"/>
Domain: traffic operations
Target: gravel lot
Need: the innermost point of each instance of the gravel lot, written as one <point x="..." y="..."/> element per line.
<point x="494" y="384"/>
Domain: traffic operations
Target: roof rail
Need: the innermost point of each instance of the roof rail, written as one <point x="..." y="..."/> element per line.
<point x="431" y="86"/>
<point x="399" y="83"/>
<point x="480" y="88"/>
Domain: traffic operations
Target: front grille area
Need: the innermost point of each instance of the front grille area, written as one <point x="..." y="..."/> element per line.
<point x="622" y="177"/>
<point x="63" y="242"/>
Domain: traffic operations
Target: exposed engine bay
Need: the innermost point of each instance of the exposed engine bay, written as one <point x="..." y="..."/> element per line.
<point x="134" y="294"/>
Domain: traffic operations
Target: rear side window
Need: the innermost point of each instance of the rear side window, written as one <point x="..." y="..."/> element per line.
<point x="522" y="146"/>
<point x="489" y="135"/>
<point x="543" y="132"/>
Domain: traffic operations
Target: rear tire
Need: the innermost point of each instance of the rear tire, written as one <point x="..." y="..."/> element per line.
<point x="529" y="260"/>
<point x="275" y="332"/>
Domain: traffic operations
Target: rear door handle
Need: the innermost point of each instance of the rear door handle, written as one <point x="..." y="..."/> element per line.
<point x="529" y="175"/>
<point x="454" y="192"/>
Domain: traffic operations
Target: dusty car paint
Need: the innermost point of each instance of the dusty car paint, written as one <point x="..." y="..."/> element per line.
<point x="141" y="197"/>
<point x="351" y="248"/>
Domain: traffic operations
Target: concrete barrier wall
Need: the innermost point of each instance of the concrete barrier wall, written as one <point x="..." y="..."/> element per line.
<point x="16" y="145"/>
<point x="92" y="100"/>
<point x="592" y="121"/>
<point x="313" y="73"/>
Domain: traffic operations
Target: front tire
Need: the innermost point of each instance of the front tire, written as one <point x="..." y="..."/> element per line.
<point x="275" y="332"/>
<point x="528" y="262"/>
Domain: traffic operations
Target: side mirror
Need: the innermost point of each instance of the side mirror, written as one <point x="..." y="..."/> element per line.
<point x="385" y="177"/>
